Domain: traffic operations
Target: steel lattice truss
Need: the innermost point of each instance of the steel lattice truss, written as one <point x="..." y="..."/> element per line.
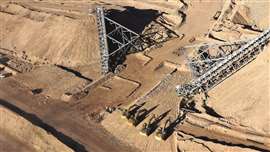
<point x="219" y="71"/>
<point x="204" y="60"/>
<point x="113" y="38"/>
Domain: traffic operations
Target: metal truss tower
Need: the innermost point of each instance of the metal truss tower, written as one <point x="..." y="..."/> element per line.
<point x="226" y="67"/>
<point x="103" y="44"/>
<point x="114" y="38"/>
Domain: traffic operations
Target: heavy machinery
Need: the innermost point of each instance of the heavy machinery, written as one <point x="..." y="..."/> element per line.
<point x="148" y="128"/>
<point x="136" y="118"/>
<point x="163" y="132"/>
<point x="126" y="113"/>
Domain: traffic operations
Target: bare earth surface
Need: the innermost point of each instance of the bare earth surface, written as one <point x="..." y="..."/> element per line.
<point x="16" y="129"/>
<point x="246" y="95"/>
<point x="56" y="43"/>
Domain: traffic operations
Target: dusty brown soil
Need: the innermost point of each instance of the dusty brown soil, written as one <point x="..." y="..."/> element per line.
<point x="61" y="119"/>
<point x="9" y="143"/>
<point x="64" y="32"/>
<point x="48" y="37"/>
<point x="15" y="130"/>
<point x="51" y="82"/>
<point x="245" y="95"/>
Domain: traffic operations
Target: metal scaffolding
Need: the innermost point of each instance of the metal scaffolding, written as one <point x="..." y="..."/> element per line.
<point x="219" y="71"/>
<point x="119" y="37"/>
<point x="103" y="44"/>
<point x="204" y="60"/>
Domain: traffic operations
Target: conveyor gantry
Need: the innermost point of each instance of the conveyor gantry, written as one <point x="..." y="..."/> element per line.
<point x="225" y="68"/>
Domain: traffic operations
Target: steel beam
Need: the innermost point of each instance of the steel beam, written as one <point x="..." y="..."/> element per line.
<point x="103" y="44"/>
<point x="225" y="68"/>
<point x="120" y="35"/>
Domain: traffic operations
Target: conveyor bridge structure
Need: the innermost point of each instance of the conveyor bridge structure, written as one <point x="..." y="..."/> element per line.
<point x="225" y="68"/>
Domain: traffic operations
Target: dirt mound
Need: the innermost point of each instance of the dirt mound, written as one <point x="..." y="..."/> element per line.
<point x="250" y="13"/>
<point x="47" y="37"/>
<point x="245" y="95"/>
<point x="259" y="12"/>
<point x="15" y="129"/>
<point x="241" y="16"/>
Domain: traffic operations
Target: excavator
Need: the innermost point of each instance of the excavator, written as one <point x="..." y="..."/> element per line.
<point x="162" y="132"/>
<point x="147" y="128"/>
<point x="136" y="118"/>
<point x="126" y="113"/>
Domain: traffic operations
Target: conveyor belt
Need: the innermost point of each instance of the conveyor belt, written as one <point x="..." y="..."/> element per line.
<point x="222" y="70"/>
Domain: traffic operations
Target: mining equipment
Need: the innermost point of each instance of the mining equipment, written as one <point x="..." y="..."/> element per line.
<point x="126" y="113"/>
<point x="136" y="118"/>
<point x="147" y="128"/>
<point x="162" y="132"/>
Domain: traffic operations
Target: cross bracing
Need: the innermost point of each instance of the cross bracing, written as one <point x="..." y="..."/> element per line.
<point x="225" y="68"/>
<point x="114" y="38"/>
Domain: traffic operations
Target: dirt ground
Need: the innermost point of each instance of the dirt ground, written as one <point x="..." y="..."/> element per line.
<point x="51" y="82"/>
<point x="59" y="41"/>
<point x="247" y="105"/>
<point x="59" y="119"/>
<point x="15" y="130"/>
